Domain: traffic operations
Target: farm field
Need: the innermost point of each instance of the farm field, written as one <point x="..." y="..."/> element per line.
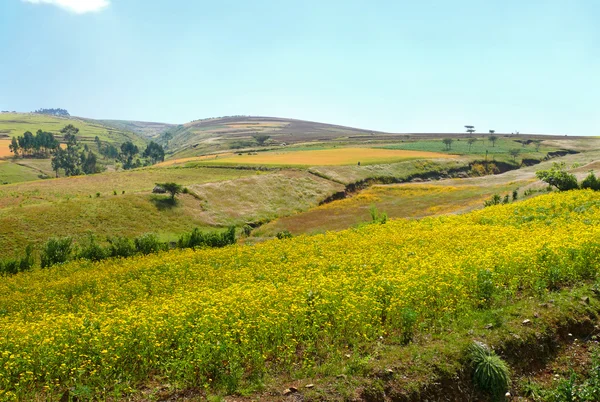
<point x="461" y="146"/>
<point x="13" y="173"/>
<point x="15" y="124"/>
<point x="4" y="150"/>
<point x="416" y="200"/>
<point x="396" y="200"/>
<point x="223" y="320"/>
<point x="324" y="157"/>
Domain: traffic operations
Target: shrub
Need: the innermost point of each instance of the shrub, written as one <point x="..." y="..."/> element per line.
<point x="591" y="182"/>
<point x="148" y="244"/>
<point x="247" y="230"/>
<point x="408" y="321"/>
<point x="56" y="251"/>
<point x="490" y="373"/>
<point x="92" y="250"/>
<point x="14" y="266"/>
<point x="495" y="200"/>
<point x="558" y="177"/>
<point x="213" y="239"/>
<point x="376" y="216"/>
<point x="284" y="234"/>
<point x="120" y="247"/>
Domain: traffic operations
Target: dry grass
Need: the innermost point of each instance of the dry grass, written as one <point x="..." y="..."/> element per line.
<point x="409" y="200"/>
<point x="327" y="157"/>
<point x="264" y="197"/>
<point x="4" y="151"/>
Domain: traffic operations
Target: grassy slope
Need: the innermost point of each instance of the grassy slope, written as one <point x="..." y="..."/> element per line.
<point x="35" y="211"/>
<point x="13" y="124"/>
<point x="210" y="135"/>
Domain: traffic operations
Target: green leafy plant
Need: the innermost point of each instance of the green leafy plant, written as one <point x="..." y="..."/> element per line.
<point x="490" y="373"/>
<point x="56" y="251"/>
<point x="557" y="176"/>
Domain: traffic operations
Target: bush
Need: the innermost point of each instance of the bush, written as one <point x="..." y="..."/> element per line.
<point x="92" y="251"/>
<point x="558" y="177"/>
<point x="14" y="266"/>
<point x="376" y="216"/>
<point x="495" y="200"/>
<point x="247" y="230"/>
<point x="591" y="182"/>
<point x="284" y="234"/>
<point x="56" y="251"/>
<point x="212" y="239"/>
<point x="148" y="244"/>
<point x="490" y="373"/>
<point x="120" y="247"/>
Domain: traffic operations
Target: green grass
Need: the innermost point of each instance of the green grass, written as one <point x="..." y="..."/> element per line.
<point x="14" y="124"/>
<point x="13" y="173"/>
<point x="461" y="147"/>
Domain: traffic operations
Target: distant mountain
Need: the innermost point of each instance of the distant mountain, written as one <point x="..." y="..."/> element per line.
<point x="149" y="130"/>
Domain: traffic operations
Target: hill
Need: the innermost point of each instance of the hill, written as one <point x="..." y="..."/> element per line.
<point x="382" y="312"/>
<point x="216" y="134"/>
<point x="15" y="124"/>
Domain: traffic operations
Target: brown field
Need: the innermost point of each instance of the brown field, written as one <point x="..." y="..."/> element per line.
<point x="4" y="151"/>
<point x="324" y="157"/>
<point x="178" y="161"/>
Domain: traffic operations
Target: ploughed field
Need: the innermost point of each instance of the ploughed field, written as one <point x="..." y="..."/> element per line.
<point x="226" y="318"/>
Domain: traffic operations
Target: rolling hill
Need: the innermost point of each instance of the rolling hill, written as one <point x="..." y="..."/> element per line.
<point x="235" y="132"/>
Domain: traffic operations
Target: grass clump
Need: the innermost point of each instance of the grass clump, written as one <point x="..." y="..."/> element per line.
<point x="490" y="373"/>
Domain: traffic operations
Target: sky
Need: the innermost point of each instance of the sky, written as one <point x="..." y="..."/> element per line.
<point x="399" y="66"/>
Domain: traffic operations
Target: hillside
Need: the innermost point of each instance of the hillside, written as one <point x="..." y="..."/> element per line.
<point x="14" y="124"/>
<point x="217" y="134"/>
<point x="382" y="312"/>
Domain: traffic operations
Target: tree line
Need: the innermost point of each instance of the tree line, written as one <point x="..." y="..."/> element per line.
<point x="53" y="112"/>
<point x="75" y="159"/>
<point x="62" y="249"/>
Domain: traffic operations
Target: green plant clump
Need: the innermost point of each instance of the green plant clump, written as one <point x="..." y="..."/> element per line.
<point x="490" y="373"/>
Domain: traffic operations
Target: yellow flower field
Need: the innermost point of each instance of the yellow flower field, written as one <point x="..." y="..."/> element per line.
<point x="218" y="317"/>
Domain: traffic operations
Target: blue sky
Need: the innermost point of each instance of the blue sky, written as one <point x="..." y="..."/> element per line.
<point x="399" y="66"/>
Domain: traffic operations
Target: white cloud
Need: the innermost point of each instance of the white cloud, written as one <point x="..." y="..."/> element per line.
<point x="76" y="6"/>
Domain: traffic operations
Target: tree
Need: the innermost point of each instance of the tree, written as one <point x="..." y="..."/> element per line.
<point x="128" y="151"/>
<point x="171" y="188"/>
<point x="14" y="146"/>
<point x="492" y="131"/>
<point x="557" y="176"/>
<point x="448" y="142"/>
<point x="470" y="129"/>
<point x="591" y="182"/>
<point x="514" y="153"/>
<point x="58" y="159"/>
<point x="155" y="152"/>
<point x="492" y="138"/>
<point x="88" y="163"/>
<point x="471" y="141"/>
<point x="537" y="144"/>
<point x="261" y="138"/>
